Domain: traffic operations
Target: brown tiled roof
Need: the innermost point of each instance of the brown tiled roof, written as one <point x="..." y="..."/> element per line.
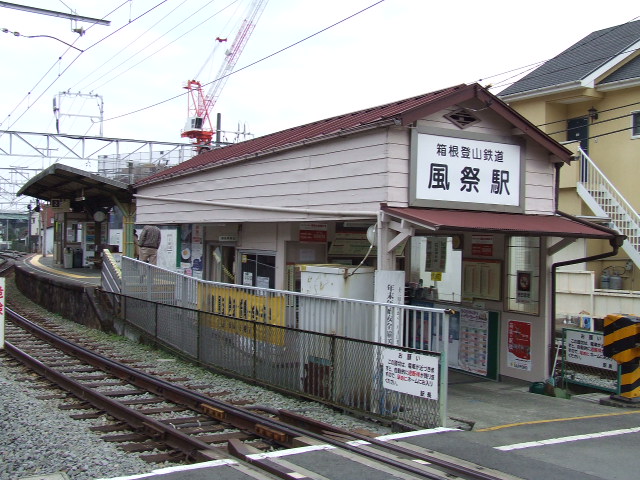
<point x="402" y="112"/>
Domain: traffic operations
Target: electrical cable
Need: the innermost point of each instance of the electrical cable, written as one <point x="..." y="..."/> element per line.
<point x="18" y="34"/>
<point x="578" y="45"/>
<point x="251" y="64"/>
<point x="544" y="74"/>
<point x="264" y="58"/>
<point x="57" y="62"/>
<point x="97" y="69"/>
<point x="159" y="49"/>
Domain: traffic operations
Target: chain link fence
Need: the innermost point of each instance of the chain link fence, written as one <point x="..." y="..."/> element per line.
<point x="344" y="372"/>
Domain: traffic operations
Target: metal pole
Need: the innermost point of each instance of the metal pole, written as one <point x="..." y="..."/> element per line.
<point x="43" y="215"/>
<point x="29" y="229"/>
<point x="444" y="369"/>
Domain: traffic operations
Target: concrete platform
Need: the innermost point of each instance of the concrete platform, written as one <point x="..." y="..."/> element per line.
<point x="48" y="267"/>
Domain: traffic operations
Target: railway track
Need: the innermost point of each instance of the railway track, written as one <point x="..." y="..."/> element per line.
<point x="162" y="420"/>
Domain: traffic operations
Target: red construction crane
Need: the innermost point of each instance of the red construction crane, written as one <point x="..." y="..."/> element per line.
<point x="199" y="126"/>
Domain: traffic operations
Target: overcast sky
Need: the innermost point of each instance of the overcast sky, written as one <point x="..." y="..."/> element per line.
<point x="393" y="50"/>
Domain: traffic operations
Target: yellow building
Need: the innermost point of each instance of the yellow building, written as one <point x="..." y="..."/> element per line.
<point x="588" y="97"/>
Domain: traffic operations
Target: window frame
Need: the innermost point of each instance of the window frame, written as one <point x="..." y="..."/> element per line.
<point x="524" y="258"/>
<point x="635" y="124"/>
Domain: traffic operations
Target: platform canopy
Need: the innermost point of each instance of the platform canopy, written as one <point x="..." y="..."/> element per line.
<point x="68" y="183"/>
<point x="443" y="221"/>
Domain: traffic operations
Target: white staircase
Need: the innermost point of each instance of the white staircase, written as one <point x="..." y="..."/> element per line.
<point x="604" y="200"/>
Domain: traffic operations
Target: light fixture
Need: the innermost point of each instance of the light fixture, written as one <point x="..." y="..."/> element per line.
<point x="593" y="114"/>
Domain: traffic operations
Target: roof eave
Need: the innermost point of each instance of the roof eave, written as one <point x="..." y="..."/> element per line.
<point x="539" y="92"/>
<point x="619" y="85"/>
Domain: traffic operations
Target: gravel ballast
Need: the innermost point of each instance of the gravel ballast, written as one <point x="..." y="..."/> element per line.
<point x="36" y="438"/>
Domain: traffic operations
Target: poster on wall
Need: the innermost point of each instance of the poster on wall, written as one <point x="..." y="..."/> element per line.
<point x="523" y="286"/>
<point x="168" y="248"/>
<point x="519" y="345"/>
<point x="473" y="351"/>
<point x="436" y="260"/>
<point x="481" y="279"/>
<point x="482" y="245"/>
<point x="196" y="251"/>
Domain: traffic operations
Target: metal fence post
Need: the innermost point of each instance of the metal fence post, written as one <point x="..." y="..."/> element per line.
<point x="332" y="356"/>
<point x="444" y="370"/>
<point x="255" y="350"/>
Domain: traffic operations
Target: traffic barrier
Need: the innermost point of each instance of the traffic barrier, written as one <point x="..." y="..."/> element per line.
<point x="621" y="342"/>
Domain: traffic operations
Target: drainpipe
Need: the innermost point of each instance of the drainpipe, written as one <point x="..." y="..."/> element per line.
<point x="615" y="241"/>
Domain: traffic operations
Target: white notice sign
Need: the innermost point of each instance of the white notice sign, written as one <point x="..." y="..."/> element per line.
<point x="585" y="348"/>
<point x="410" y="373"/>
<point x="464" y="170"/>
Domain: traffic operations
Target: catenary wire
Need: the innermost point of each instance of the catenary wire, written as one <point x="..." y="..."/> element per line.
<point x="575" y="46"/>
<point x="57" y="62"/>
<point x="277" y="53"/>
<point x="97" y="69"/>
<point x="253" y="63"/>
<point x="76" y="58"/>
<point x="158" y="50"/>
<point x="79" y="54"/>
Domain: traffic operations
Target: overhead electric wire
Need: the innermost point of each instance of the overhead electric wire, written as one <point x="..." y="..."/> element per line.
<point x="544" y="74"/>
<point x="573" y="47"/>
<point x="253" y="63"/>
<point x="161" y="48"/>
<point x="84" y="51"/>
<point x="95" y="70"/>
<point x="595" y="123"/>
<point x="57" y="62"/>
<point x="531" y="66"/>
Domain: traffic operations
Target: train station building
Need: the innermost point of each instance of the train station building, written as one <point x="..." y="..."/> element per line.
<point x="447" y="199"/>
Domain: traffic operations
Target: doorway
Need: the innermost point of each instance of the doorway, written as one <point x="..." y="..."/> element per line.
<point x="221" y="263"/>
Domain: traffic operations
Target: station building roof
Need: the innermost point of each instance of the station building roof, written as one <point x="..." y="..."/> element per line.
<point x="64" y="182"/>
<point x="403" y="112"/>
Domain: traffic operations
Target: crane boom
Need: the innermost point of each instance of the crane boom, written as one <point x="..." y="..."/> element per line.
<point x="199" y="126"/>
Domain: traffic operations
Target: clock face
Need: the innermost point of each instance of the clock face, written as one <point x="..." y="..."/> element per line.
<point x="457" y="242"/>
<point x="99" y="216"/>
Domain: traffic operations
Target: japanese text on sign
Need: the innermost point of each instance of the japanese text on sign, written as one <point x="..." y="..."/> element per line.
<point x="464" y="170"/>
<point x="410" y="373"/>
<point x="585" y="348"/>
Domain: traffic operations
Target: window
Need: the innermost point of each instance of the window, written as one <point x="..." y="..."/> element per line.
<point x="436" y="265"/>
<point x="635" y="127"/>
<point x="258" y="270"/>
<point x="524" y="275"/>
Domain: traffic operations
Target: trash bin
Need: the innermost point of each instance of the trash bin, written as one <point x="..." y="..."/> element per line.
<point x="77" y="258"/>
<point x="67" y="258"/>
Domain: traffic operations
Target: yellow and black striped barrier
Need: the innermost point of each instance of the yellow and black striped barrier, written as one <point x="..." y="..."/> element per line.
<point x="622" y="342"/>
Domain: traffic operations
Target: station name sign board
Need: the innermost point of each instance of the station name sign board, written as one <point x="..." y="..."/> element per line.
<point x="465" y="171"/>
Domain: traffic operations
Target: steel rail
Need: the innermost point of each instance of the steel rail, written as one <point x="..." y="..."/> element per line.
<point x="283" y="432"/>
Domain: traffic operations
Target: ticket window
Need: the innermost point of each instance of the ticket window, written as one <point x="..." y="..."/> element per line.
<point x="258" y="269"/>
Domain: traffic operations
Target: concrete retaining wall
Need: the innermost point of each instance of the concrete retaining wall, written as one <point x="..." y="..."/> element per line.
<point x="74" y="302"/>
